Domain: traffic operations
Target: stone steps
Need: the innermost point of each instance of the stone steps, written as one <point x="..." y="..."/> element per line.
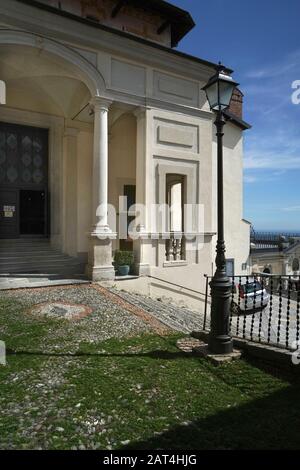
<point x="33" y="256"/>
<point x="175" y="317"/>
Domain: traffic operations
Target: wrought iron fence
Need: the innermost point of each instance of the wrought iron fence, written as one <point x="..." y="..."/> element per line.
<point x="265" y="308"/>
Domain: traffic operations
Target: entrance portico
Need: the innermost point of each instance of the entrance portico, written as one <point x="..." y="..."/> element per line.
<point x="47" y="95"/>
<point x="126" y="116"/>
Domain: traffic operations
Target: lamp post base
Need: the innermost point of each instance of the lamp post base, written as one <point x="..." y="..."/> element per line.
<point x="220" y="344"/>
<point x="220" y="341"/>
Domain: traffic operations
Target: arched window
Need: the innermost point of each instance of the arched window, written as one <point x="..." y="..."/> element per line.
<point x="295" y="265"/>
<point x="175" y="198"/>
<point x="267" y="271"/>
<point x="175" y="201"/>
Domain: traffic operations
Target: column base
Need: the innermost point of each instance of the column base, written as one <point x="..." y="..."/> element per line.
<point x="101" y="273"/>
<point x="222" y="344"/>
<point x="103" y="232"/>
<point x="142" y="269"/>
<point x="100" y="266"/>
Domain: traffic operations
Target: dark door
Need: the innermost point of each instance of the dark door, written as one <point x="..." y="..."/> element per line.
<point x="129" y="192"/>
<point x="230" y="267"/>
<point x="23" y="181"/>
<point x="32" y="212"/>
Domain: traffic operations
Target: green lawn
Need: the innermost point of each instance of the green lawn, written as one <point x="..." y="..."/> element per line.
<point x="138" y="392"/>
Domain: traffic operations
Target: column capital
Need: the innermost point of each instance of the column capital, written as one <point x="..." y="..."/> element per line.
<point x="140" y="112"/>
<point x="99" y="103"/>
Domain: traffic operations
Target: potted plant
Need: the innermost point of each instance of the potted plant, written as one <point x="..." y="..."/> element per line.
<point x="123" y="260"/>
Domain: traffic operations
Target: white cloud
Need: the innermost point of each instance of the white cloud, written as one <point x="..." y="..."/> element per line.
<point x="256" y="176"/>
<point x="278" y="150"/>
<point x="284" y="66"/>
<point x="291" y="209"/>
<point x="255" y="161"/>
<point x="250" y="179"/>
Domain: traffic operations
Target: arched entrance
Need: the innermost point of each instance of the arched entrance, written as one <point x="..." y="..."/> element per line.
<point x="46" y="152"/>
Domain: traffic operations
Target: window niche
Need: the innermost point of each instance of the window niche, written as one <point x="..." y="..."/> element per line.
<point x="175" y="200"/>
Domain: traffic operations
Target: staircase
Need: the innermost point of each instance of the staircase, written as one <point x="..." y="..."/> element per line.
<point x="36" y="256"/>
<point x="175" y="317"/>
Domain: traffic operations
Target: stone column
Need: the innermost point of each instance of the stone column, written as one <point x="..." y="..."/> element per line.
<point x="100" y="251"/>
<point x="70" y="193"/>
<point x="100" y="166"/>
<point x="140" y="245"/>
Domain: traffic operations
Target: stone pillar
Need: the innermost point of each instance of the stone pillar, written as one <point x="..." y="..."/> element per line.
<point x="100" y="166"/>
<point x="285" y="267"/>
<point x="70" y="193"/>
<point x="100" y="250"/>
<point x="140" y="245"/>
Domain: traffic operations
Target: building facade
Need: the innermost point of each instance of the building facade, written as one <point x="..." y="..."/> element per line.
<point x="280" y="257"/>
<point x="99" y="104"/>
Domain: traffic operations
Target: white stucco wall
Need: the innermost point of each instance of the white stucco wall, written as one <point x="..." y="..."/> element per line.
<point x="177" y="128"/>
<point x="237" y="231"/>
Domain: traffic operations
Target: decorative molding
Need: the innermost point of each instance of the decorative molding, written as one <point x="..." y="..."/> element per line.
<point x="68" y="30"/>
<point x="176" y="135"/>
<point x="128" y="77"/>
<point x="90" y="56"/>
<point x="160" y="104"/>
<point x="84" y="69"/>
<point x="175" y="89"/>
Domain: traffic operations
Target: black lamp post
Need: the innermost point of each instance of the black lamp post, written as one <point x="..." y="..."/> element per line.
<point x="219" y="91"/>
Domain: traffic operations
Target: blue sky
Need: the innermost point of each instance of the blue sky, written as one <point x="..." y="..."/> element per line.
<point x="260" y="40"/>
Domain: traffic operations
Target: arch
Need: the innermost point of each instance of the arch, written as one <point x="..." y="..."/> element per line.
<point x="86" y="71"/>
<point x="267" y="269"/>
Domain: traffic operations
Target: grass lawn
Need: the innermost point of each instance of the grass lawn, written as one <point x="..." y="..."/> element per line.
<point x="137" y="392"/>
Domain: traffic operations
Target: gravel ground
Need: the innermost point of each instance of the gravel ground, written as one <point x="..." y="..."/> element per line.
<point x="47" y="397"/>
<point x="107" y="320"/>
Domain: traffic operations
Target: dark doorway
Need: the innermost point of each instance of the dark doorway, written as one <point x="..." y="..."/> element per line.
<point x="32" y="212"/>
<point x="129" y="192"/>
<point x="23" y="181"/>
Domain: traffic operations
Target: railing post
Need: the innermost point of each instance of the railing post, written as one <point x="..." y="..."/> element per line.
<point x="206" y="298"/>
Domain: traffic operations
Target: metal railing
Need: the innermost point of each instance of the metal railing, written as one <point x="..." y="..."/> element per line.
<point x="273" y="241"/>
<point x="257" y="236"/>
<point x="265" y="308"/>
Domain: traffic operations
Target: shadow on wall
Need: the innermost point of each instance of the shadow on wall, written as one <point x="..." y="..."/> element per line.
<point x="232" y="136"/>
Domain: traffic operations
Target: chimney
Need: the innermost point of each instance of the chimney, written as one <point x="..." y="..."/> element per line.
<point x="236" y="104"/>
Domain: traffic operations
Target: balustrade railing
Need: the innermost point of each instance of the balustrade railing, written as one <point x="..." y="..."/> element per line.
<point x="175" y="247"/>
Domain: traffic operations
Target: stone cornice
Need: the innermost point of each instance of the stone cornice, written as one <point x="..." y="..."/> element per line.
<point x="62" y="28"/>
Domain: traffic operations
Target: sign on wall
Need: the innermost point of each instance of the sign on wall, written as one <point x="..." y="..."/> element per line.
<point x="8" y="211"/>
